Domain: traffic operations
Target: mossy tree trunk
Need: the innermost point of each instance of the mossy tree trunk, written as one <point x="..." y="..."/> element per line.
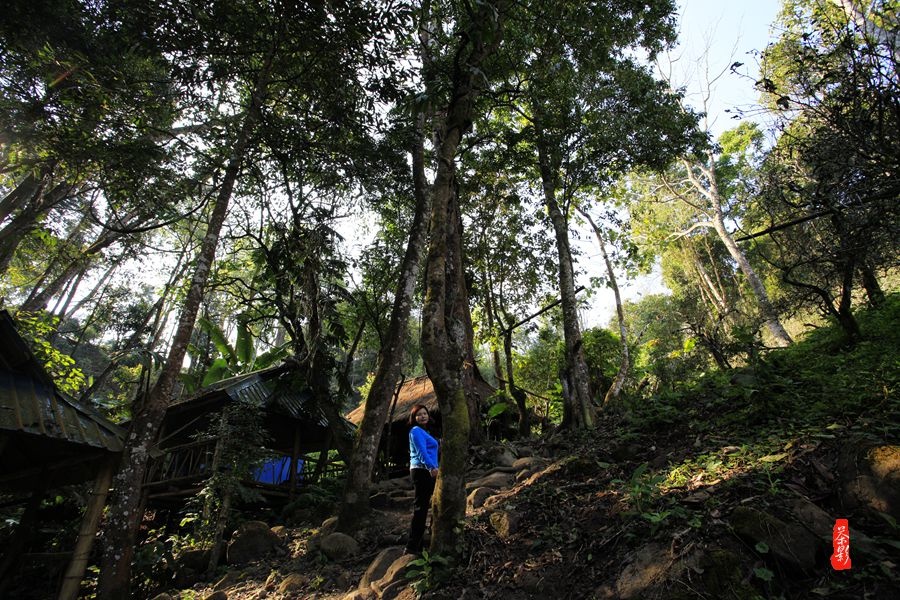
<point x="444" y="340"/>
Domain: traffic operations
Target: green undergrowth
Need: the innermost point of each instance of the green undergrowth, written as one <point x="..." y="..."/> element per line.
<point x="669" y="470"/>
<point x="819" y="385"/>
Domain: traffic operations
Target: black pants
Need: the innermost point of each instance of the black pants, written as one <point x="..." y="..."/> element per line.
<point x="423" y="483"/>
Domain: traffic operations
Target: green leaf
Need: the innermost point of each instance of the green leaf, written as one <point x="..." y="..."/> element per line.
<point x="497" y="410"/>
<point x="217" y="336"/>
<point x="243" y="346"/>
<point x="764" y="573"/>
<point x="217" y="371"/>
<point x="762" y="547"/>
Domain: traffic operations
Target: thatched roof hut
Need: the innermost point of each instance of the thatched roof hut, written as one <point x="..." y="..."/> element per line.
<point x="394" y="452"/>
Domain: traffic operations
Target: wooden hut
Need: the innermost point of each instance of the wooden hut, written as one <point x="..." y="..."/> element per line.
<point x="294" y="426"/>
<point x="48" y="440"/>
<point x="393" y="457"/>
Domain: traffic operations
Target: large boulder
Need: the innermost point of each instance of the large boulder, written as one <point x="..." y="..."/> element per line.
<point x="495" y="481"/>
<point x="337" y="546"/>
<point x="379" y="567"/>
<point x="478" y="496"/>
<point x="393" y="581"/>
<point x="293" y="583"/>
<point x="253" y="540"/>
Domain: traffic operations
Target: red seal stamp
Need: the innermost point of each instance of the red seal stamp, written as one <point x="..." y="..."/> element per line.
<point x="840" y="541"/>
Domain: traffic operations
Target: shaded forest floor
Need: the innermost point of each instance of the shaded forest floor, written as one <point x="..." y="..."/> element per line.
<point x="725" y="488"/>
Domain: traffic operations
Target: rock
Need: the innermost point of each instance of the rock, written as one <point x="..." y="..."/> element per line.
<point x="870" y="478"/>
<point x="579" y="467"/>
<point x="790" y="544"/>
<point x="524" y="474"/>
<point x="195" y="559"/>
<point x="279" y="530"/>
<point x="393" y="591"/>
<point x="186" y="577"/>
<point x="337" y="546"/>
<point x="505" y="523"/>
<point x="528" y="462"/>
<point x="220" y="595"/>
<point x="252" y="540"/>
<point x="504" y="458"/>
<point x="379" y="566"/>
<point x="360" y="595"/>
<point x="496" y="481"/>
<point x="293" y="583"/>
<point x="328" y="525"/>
<point x="230" y="578"/>
<point x="395" y="574"/>
<point x="269" y="585"/>
<point x="477" y="497"/>
<point x="821" y="524"/>
<point x="648" y="568"/>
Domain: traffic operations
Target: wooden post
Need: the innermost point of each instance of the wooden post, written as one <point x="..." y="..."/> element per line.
<point x="221" y="520"/>
<point x="88" y="532"/>
<point x="295" y="455"/>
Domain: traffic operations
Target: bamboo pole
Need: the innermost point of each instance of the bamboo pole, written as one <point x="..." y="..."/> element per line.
<point x="86" y="535"/>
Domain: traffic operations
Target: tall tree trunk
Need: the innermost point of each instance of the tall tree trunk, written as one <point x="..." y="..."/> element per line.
<point x="470" y="372"/>
<point x="581" y="410"/>
<point x="125" y="516"/>
<point x="443" y="334"/>
<point x="355" y="503"/>
<point x="17" y="197"/>
<point x="624" y="364"/>
<point x="40" y="300"/>
<point x="518" y="395"/>
<point x="711" y="192"/>
<point x="491" y="320"/>
<point x="870" y="283"/>
<point x="27" y="219"/>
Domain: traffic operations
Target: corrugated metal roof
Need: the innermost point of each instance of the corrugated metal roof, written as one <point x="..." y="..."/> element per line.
<point x="254" y="388"/>
<point x="31" y="406"/>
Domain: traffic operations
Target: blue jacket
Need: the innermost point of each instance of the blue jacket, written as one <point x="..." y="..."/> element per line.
<point x="423" y="449"/>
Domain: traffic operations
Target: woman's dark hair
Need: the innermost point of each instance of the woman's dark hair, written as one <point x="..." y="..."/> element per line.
<point x="414" y="410"/>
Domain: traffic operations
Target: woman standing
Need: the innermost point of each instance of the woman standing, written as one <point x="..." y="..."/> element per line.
<point x="423" y="468"/>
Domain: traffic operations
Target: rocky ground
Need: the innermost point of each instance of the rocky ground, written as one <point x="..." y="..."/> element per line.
<point x="580" y="518"/>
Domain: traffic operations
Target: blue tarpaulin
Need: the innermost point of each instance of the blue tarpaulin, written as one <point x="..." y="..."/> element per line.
<point x="277" y="471"/>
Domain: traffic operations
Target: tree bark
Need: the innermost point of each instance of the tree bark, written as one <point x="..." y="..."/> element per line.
<point x="517" y="394"/>
<point x="711" y="192"/>
<point x="624" y="364"/>
<point x="124" y="514"/>
<point x="870" y="283"/>
<point x="27" y="219"/>
<point x="443" y="334"/>
<point x="581" y="409"/>
<point x="355" y="502"/>
<point x="40" y="300"/>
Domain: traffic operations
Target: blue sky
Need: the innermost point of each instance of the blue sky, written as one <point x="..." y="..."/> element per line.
<point x="732" y="31"/>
